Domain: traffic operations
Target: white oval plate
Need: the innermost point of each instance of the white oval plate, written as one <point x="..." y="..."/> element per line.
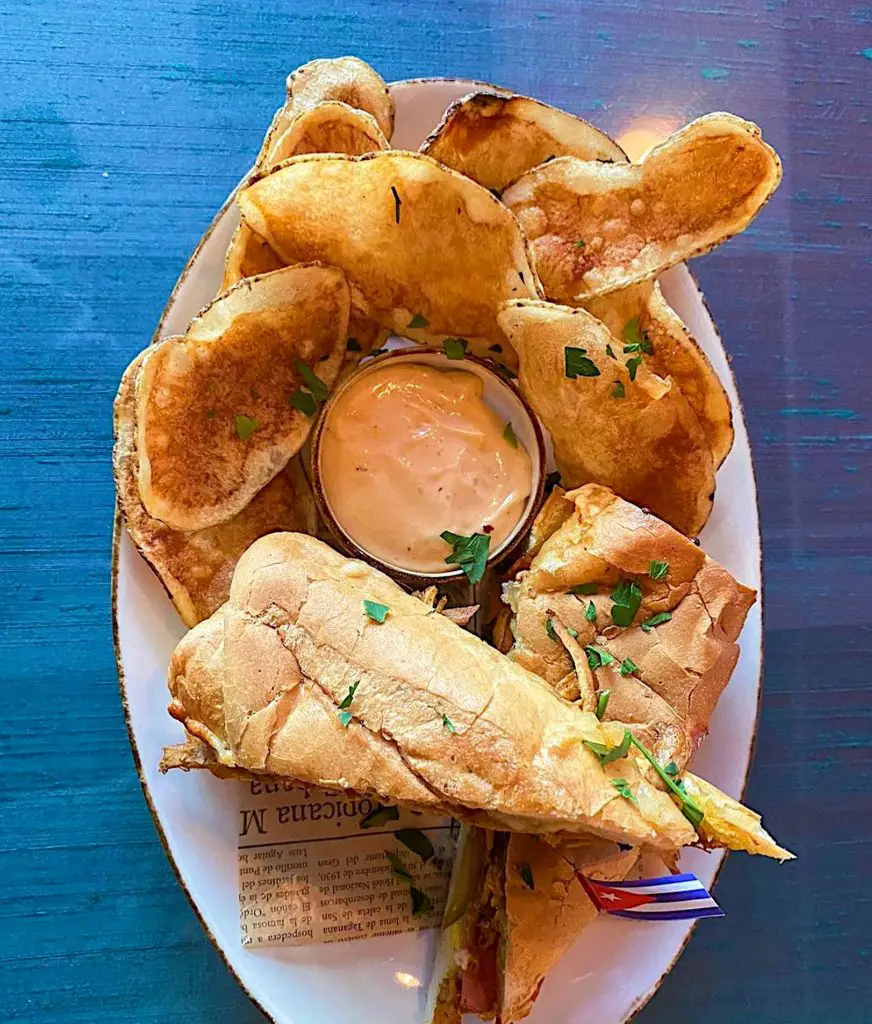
<point x="616" y="965"/>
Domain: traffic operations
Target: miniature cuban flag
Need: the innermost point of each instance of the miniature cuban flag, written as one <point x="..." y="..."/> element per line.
<point x="671" y="898"/>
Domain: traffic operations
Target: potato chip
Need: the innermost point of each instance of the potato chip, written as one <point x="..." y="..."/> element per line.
<point x="347" y="79"/>
<point x="221" y="410"/>
<point x="196" y="567"/>
<point x="428" y="253"/>
<point x="597" y="227"/>
<point x="611" y="419"/>
<point x="640" y="312"/>
<point x="494" y="138"/>
<point x="329" y="127"/>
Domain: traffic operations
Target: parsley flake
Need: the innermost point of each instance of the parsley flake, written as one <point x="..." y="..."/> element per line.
<point x="626" y="597"/>
<point x="415" y="840"/>
<point x="526" y="874"/>
<point x="671" y="769"/>
<point x="245" y="427"/>
<point x="398" y="868"/>
<point x="549" y="629"/>
<point x="602" y="702"/>
<point x="584" y="588"/>
<point x="510" y="435"/>
<point x="449" y="725"/>
<point x="304" y="402"/>
<point x="633" y="365"/>
<point x="455" y="348"/>
<point x="628" y="667"/>
<point x="577" y="364"/>
<point x="579" y="243"/>
<point x="349" y="697"/>
<point x="312" y="381"/>
<point x="344" y="718"/>
<point x="469" y="553"/>
<point x="632" y="333"/>
<point x="623" y="787"/>
<point x="656" y="620"/>
<point x="610" y="352"/>
<point x="618" y="390"/>
<point x="417" y="322"/>
<point x="379" y="815"/>
<point x="375" y="611"/>
<point x="608" y="754"/>
<point x="590" y="612"/>
<point x="420" y="902"/>
<point x="657" y="570"/>
<point x="597" y="656"/>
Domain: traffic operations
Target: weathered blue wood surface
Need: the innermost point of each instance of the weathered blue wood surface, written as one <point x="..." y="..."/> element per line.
<point x="122" y="128"/>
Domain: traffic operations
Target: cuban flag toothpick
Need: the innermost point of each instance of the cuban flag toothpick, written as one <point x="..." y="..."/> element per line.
<point x="671" y="898"/>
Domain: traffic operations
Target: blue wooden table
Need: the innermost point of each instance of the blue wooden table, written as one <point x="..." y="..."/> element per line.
<point x="122" y="128"/>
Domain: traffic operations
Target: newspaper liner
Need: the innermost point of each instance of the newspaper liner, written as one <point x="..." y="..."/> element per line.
<point x="308" y="873"/>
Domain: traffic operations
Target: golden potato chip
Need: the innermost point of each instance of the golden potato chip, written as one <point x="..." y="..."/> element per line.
<point x="347" y="79"/>
<point x="428" y="253"/>
<point x="640" y="313"/>
<point x="329" y="127"/>
<point x="611" y="419"/>
<point x="597" y="227"/>
<point x="196" y="567"/>
<point x="221" y="410"/>
<point x="494" y="138"/>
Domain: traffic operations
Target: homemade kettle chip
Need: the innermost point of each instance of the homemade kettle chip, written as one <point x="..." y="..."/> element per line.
<point x="196" y="567"/>
<point x="494" y="138"/>
<point x="597" y="227"/>
<point x="610" y="418"/>
<point x="428" y="253"/>
<point x="639" y="315"/>
<point x="217" y="410"/>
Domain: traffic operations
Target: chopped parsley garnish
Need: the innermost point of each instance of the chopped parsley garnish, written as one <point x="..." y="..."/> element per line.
<point x="657" y="570"/>
<point x="656" y="620"/>
<point x="577" y="364"/>
<point x="375" y="611"/>
<point x="455" y="348"/>
<point x="608" y="754"/>
<point x="671" y="769"/>
<point x="578" y="243"/>
<point x="610" y="352"/>
<point x="688" y="807"/>
<point x="549" y="629"/>
<point x="618" y="390"/>
<point x="602" y="702"/>
<point x="417" y="322"/>
<point x="526" y="874"/>
<point x="637" y="340"/>
<point x="415" y="840"/>
<point x="590" y="612"/>
<point x="469" y="553"/>
<point x="344" y="718"/>
<point x="420" y="902"/>
<point x="245" y="427"/>
<point x="312" y="381"/>
<point x="626" y="597"/>
<point x="623" y="787"/>
<point x="353" y="345"/>
<point x="633" y="365"/>
<point x="597" y="656"/>
<point x="398" y="868"/>
<point x="304" y="402"/>
<point x="349" y="697"/>
<point x="510" y="435"/>
<point x="449" y="725"/>
<point x="397" y="204"/>
<point x="379" y="815"/>
<point x="628" y="667"/>
<point x="584" y="588"/>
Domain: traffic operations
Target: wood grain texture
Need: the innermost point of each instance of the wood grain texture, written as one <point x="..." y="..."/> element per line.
<point x="122" y="128"/>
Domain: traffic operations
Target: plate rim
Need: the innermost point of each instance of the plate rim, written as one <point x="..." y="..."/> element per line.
<point x="117" y="528"/>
